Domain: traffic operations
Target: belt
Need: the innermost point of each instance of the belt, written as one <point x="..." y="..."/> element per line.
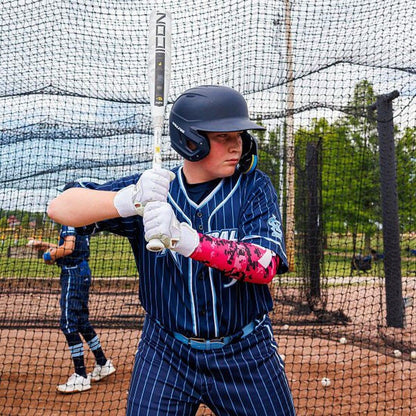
<point x="212" y="344"/>
<point x="73" y="266"/>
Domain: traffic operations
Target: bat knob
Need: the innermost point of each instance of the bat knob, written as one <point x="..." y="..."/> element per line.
<point x="155" y="245"/>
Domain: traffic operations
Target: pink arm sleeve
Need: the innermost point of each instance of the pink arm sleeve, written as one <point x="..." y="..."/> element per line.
<point x="242" y="261"/>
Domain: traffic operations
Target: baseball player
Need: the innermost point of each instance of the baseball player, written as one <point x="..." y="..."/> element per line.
<point x="207" y="337"/>
<point x="71" y="254"/>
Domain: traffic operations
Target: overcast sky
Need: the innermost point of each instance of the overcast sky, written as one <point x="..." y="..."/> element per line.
<point x="94" y="54"/>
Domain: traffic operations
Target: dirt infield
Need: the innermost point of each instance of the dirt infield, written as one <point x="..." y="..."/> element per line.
<point x="366" y="377"/>
<point x="362" y="381"/>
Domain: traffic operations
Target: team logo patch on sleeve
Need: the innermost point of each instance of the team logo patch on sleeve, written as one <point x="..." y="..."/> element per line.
<point x="275" y="227"/>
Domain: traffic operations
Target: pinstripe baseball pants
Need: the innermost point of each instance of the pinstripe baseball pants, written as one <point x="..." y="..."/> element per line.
<point x="245" y="377"/>
<point x="75" y="285"/>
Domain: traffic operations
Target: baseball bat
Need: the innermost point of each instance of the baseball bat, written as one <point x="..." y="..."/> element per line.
<point x="159" y="65"/>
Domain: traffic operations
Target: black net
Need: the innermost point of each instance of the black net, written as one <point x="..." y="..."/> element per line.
<point x="74" y="104"/>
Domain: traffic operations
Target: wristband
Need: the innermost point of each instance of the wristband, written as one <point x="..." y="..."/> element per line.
<point x="123" y="202"/>
<point x="47" y="256"/>
<point x="188" y="242"/>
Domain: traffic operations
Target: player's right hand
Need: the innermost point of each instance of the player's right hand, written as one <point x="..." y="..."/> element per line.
<point x="160" y="223"/>
<point x="153" y="185"/>
<point x="35" y="244"/>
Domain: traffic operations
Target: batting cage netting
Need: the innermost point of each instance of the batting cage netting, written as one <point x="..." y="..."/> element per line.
<point x="334" y="82"/>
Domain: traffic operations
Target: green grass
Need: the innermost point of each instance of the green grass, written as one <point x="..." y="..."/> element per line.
<point x="111" y="256"/>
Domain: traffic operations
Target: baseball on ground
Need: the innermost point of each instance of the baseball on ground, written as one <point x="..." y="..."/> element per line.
<point x="326" y="382"/>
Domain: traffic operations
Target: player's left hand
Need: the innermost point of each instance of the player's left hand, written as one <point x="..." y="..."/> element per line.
<point x="153" y="185"/>
<point x="161" y="223"/>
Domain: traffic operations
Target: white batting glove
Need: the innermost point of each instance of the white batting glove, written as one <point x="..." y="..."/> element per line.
<point x="153" y="185"/>
<point x="161" y="223"/>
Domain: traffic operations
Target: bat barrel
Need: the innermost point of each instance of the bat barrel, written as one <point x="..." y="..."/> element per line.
<point x="159" y="66"/>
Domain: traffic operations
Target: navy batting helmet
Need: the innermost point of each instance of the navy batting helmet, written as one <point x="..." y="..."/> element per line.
<point x="209" y="108"/>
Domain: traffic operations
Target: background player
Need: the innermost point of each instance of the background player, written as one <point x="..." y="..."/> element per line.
<point x="207" y="337"/>
<point x="71" y="254"/>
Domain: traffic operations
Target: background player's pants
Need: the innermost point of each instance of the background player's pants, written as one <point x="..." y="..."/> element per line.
<point x="243" y="378"/>
<point x="75" y="286"/>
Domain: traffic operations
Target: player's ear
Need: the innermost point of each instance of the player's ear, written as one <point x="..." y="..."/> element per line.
<point x="248" y="160"/>
<point x="191" y="145"/>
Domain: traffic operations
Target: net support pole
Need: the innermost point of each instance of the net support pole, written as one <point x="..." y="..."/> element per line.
<point x="313" y="242"/>
<point x="390" y="211"/>
<point x="290" y="151"/>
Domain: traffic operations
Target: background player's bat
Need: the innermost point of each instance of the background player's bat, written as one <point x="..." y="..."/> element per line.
<point x="160" y="30"/>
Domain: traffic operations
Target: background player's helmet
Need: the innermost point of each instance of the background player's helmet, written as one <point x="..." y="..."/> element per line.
<point x="67" y="186"/>
<point x="211" y="108"/>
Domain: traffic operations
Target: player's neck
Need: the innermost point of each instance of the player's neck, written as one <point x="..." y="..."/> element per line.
<point x="193" y="174"/>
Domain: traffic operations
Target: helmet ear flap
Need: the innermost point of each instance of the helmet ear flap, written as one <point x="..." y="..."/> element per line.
<point x="190" y="144"/>
<point x="248" y="160"/>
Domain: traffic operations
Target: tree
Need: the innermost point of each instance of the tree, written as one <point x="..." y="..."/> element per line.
<point x="350" y="188"/>
<point x="269" y="153"/>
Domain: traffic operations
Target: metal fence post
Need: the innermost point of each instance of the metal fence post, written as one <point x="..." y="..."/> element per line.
<point x="390" y="211"/>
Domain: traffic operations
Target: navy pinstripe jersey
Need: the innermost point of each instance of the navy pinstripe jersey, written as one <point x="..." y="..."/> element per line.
<point x="183" y="294"/>
<point x="81" y="251"/>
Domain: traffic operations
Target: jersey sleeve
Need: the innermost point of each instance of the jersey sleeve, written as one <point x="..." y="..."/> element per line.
<point x="67" y="231"/>
<point x="261" y="220"/>
<point x="120" y="226"/>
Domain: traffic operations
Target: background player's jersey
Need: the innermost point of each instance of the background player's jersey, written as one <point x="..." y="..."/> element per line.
<point x="183" y="294"/>
<point x="81" y="251"/>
